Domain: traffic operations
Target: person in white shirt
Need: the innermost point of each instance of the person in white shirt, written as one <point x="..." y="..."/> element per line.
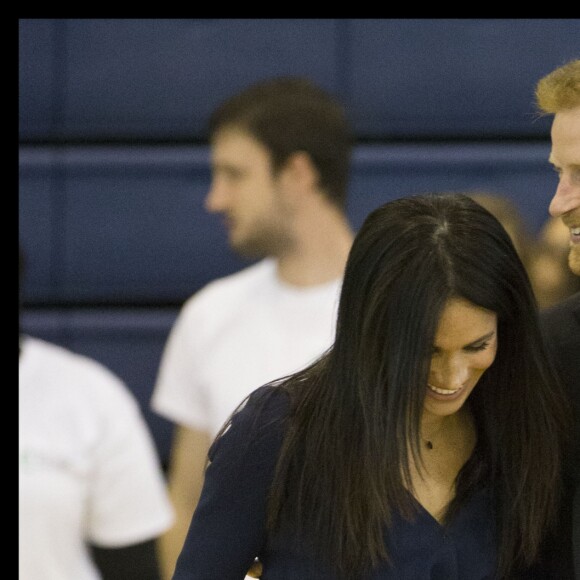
<point x="92" y="498"/>
<point x="280" y="159"/>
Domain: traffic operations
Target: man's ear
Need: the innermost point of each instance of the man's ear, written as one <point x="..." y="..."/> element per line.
<point x="299" y="172"/>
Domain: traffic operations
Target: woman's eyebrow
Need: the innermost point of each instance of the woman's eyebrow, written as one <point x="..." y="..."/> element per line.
<point x="476" y="341"/>
<point x="482" y="338"/>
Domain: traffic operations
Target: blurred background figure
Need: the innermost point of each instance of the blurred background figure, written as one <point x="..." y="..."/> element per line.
<point x="92" y="498"/>
<point x="280" y="161"/>
<point x="510" y="217"/>
<point x="545" y="255"/>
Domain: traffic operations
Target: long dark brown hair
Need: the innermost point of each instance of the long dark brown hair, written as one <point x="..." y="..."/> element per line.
<point x="343" y="472"/>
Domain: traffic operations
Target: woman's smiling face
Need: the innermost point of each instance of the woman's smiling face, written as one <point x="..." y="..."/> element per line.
<point x="464" y="348"/>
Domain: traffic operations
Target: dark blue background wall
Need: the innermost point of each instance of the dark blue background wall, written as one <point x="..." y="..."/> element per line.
<point x="400" y="78"/>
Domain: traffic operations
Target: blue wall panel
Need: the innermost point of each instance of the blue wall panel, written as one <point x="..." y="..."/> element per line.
<point x="130" y="225"/>
<point x="520" y="172"/>
<point x="127" y="225"/>
<point x="471" y="78"/>
<point x="159" y="79"/>
<point x="39" y="77"/>
<point x="37" y="222"/>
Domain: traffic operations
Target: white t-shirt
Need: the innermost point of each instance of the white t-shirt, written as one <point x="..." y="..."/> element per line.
<point x="236" y="334"/>
<point x="88" y="469"/>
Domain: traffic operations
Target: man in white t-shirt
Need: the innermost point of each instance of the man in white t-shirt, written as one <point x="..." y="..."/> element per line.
<point x="280" y="158"/>
<point x="92" y="496"/>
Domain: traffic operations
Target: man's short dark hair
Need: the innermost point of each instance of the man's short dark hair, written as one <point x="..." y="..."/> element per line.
<point x="291" y="114"/>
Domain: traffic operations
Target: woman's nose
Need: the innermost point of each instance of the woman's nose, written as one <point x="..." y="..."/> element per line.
<point x="449" y="374"/>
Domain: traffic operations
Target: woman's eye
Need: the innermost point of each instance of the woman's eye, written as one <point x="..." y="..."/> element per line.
<point x="477" y="347"/>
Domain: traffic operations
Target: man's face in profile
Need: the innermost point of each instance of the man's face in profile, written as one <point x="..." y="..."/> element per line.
<point x="565" y="157"/>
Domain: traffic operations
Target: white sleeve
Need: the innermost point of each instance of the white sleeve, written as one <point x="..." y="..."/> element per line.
<point x="178" y="394"/>
<point x="128" y="502"/>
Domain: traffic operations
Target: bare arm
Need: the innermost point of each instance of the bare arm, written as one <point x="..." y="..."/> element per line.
<point x="185" y="480"/>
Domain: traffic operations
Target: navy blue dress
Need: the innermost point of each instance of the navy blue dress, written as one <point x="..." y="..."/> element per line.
<point x="228" y="527"/>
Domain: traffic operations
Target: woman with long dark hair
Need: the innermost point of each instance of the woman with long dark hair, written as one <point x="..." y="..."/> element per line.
<point x="425" y="444"/>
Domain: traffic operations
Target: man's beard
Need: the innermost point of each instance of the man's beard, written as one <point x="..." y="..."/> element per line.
<point x="264" y="243"/>
<point x="574" y="259"/>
